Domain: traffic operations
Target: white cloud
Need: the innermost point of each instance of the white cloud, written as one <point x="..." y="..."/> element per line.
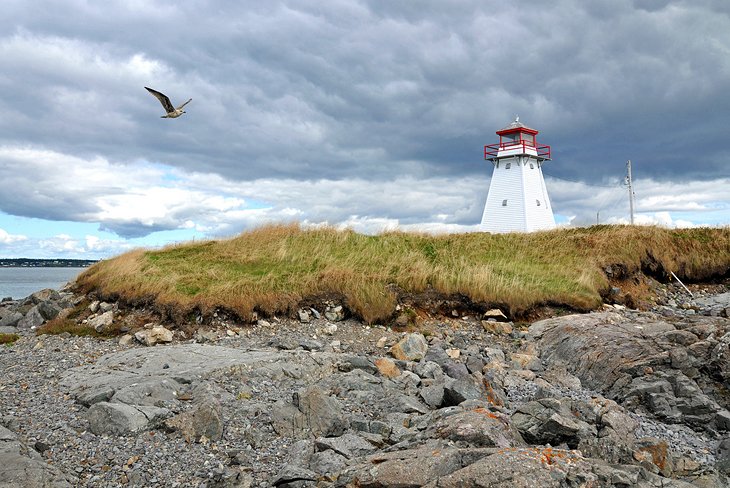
<point x="7" y="238"/>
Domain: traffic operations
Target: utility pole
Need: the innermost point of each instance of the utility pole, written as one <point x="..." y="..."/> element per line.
<point x="631" y="189"/>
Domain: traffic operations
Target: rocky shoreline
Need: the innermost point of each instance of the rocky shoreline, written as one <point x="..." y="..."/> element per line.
<point x="619" y="397"/>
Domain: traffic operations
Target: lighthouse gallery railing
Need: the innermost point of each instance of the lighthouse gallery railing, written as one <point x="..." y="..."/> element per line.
<point x="491" y="150"/>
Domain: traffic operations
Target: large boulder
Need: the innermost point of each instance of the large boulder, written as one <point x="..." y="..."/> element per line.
<point x="121" y="419"/>
<point x="312" y="412"/>
<point x="638" y="362"/>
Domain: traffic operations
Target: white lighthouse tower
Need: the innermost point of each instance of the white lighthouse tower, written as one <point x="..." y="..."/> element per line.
<point x="517" y="199"/>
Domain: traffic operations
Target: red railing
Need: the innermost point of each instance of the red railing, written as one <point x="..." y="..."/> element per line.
<point x="491" y="150"/>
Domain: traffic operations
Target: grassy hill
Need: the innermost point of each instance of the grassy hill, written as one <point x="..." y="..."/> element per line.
<point x="272" y="269"/>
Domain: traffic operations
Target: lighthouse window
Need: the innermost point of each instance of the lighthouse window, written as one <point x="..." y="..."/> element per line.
<point x="532" y="166"/>
<point x="538" y="202"/>
<point x="507" y="165"/>
<point x="504" y="202"/>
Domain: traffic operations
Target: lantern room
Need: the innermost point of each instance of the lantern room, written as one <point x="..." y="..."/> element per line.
<point x="515" y="139"/>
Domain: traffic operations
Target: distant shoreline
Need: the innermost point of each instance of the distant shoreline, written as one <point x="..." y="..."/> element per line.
<point x="46" y="263"/>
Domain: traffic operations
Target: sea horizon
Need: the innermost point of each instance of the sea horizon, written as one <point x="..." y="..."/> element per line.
<point x="18" y="282"/>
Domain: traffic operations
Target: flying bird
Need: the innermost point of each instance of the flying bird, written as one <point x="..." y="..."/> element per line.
<point x="172" y="112"/>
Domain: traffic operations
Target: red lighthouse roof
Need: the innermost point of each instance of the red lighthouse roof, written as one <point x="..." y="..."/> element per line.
<point x="516" y="126"/>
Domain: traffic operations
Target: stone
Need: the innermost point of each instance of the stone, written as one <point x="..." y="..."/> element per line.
<point x="526" y="361"/>
<point x="348" y="445"/>
<point x="11" y="319"/>
<point x="461" y="390"/>
<point x="411" y="468"/>
<point x="45" y="295"/>
<point x="322" y="412"/>
<point x="311" y="411"/>
<point x="49" y="310"/>
<point x="327" y="463"/>
<point x="151" y="392"/>
<point x="497" y="328"/>
<point x="31" y="320"/>
<point x="121" y="419"/>
<point x="545" y="422"/>
<point x="289" y="474"/>
<point x="102" y="321"/>
<point x="334" y="313"/>
<point x="126" y="340"/>
<point x="203" y="336"/>
<point x="412" y="347"/>
<point x="203" y="422"/>
<point x="155" y="335"/>
<point x="433" y="395"/>
<point x="456" y="370"/>
<point x="478" y="428"/>
<point x="304" y="316"/>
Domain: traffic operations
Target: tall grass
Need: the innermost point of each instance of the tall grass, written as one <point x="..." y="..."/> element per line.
<point x="269" y="270"/>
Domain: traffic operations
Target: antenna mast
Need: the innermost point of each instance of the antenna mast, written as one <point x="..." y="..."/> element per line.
<point x="631" y="189"/>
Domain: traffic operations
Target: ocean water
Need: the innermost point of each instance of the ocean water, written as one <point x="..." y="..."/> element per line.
<point x="21" y="282"/>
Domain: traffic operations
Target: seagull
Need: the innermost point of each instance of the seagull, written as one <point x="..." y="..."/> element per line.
<point x="172" y="112"/>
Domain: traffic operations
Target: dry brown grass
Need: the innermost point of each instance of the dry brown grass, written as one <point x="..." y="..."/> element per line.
<point x="269" y="270"/>
<point x="8" y="339"/>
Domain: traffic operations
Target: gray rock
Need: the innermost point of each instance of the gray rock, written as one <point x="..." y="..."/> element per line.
<point x="327" y="463"/>
<point x="290" y="474"/>
<point x="154" y="335"/>
<point x="151" y="392"/>
<point x="312" y="412"/>
<point x="102" y="321"/>
<point x="461" y="390"/>
<point x="32" y="319"/>
<point x="203" y="422"/>
<point x="478" y="427"/>
<point x="45" y="295"/>
<point x="350" y="363"/>
<point x="323" y="413"/>
<point x="456" y="370"/>
<point x="433" y="395"/>
<point x="348" y="445"/>
<point x="21" y="466"/>
<point x="334" y="313"/>
<point x="304" y="316"/>
<point x="547" y="421"/>
<point x="412" y="347"/>
<point x="11" y="319"/>
<point x="411" y="468"/>
<point x="49" y="310"/>
<point x="121" y="419"/>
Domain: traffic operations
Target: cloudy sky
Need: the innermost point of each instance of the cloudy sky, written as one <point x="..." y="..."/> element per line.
<point x="370" y="114"/>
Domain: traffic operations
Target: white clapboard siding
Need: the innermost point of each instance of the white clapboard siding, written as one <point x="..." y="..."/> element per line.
<point x="518" y="180"/>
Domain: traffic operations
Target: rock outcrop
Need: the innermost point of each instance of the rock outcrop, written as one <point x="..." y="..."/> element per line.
<point x="616" y="398"/>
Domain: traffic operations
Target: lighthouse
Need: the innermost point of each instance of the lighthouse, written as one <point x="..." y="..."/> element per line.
<point x="517" y="200"/>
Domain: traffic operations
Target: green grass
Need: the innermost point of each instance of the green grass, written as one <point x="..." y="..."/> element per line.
<point x="271" y="269"/>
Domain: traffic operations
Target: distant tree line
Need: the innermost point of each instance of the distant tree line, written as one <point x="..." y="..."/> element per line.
<point x="45" y="263"/>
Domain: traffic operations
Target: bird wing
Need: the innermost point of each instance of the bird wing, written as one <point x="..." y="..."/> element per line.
<point x="163" y="100"/>
<point x="181" y="106"/>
